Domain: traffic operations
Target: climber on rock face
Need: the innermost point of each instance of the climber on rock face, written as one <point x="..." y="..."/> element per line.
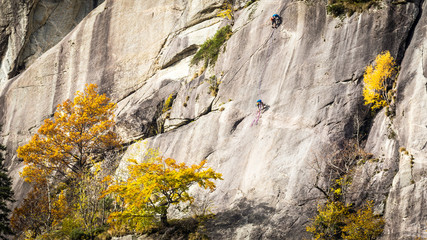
<point x="260" y="104"/>
<point x="275" y="21"/>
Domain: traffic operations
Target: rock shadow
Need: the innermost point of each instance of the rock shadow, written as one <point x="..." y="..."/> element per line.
<point x="246" y="213"/>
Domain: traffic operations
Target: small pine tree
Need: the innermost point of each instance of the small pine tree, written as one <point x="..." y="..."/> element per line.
<point x="6" y="196"/>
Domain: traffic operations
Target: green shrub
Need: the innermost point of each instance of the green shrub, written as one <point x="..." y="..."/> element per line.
<point x="340" y="8"/>
<point x="79" y="234"/>
<point x="249" y="3"/>
<point x="335" y="9"/>
<point x="214" y="85"/>
<point x="209" y="50"/>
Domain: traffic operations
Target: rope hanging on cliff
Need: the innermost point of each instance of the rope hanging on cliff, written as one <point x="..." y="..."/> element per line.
<point x="260" y="104"/>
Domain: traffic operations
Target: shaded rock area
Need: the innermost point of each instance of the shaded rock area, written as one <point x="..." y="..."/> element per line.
<point x="308" y="71"/>
<point x="30" y="28"/>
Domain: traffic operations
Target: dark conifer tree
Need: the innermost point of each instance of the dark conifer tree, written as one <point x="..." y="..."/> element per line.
<point x="6" y="196"/>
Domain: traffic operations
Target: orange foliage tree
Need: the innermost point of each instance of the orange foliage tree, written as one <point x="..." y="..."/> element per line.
<point x="154" y="186"/>
<point x="66" y="147"/>
<point x="76" y="137"/>
<point x="34" y="215"/>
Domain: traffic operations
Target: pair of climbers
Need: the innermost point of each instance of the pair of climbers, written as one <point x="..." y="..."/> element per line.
<point x="276" y="20"/>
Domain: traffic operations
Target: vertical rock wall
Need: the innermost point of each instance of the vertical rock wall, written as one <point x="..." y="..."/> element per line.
<point x="29" y="28"/>
<point x="308" y="72"/>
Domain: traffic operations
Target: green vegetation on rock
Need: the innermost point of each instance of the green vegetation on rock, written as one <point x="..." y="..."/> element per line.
<point x="340" y="8"/>
<point x="209" y="50"/>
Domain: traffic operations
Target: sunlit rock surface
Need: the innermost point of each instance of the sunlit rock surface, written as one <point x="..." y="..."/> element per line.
<point x="308" y="72"/>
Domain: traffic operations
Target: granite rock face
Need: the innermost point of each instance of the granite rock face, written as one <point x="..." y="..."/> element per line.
<point x="308" y="72"/>
<point x="30" y="28"/>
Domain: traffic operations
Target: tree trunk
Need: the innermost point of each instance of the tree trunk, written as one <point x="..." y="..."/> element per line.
<point x="164" y="219"/>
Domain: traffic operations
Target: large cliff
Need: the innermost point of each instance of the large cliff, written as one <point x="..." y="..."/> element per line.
<point x="308" y="72"/>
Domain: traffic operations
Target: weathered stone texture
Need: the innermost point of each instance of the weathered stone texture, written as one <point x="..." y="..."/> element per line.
<point x="29" y="28"/>
<point x="308" y="72"/>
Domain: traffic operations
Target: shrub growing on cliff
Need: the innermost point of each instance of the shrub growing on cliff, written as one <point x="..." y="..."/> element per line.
<point x="363" y="225"/>
<point x="227" y="11"/>
<point x="340" y="8"/>
<point x="335" y="220"/>
<point x="378" y="79"/>
<point x="153" y="187"/>
<point x="329" y="221"/>
<point x="168" y="103"/>
<point x="209" y="50"/>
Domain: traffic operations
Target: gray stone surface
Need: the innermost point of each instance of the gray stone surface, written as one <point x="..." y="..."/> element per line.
<point x="406" y="202"/>
<point x="308" y="72"/>
<point x="30" y="28"/>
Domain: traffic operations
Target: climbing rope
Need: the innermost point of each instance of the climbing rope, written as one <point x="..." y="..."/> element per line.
<point x="257" y="117"/>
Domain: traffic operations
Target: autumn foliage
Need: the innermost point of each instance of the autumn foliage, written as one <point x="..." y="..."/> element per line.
<point x="335" y="220"/>
<point x="73" y="192"/>
<point x="36" y="216"/>
<point x="155" y="185"/>
<point x="226" y="11"/>
<point x="330" y="220"/>
<point x="78" y="134"/>
<point x="59" y="159"/>
<point x="364" y="224"/>
<point x="377" y="79"/>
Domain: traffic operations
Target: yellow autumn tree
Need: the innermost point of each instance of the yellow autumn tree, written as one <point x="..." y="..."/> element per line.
<point x="61" y="154"/>
<point x="226" y="11"/>
<point x="335" y="220"/>
<point x="90" y="209"/>
<point x="77" y="136"/>
<point x="155" y="185"/>
<point x="377" y="79"/>
<point x="329" y="221"/>
<point x="363" y="225"/>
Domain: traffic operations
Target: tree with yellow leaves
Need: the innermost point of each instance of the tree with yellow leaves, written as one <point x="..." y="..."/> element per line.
<point x="377" y="79"/>
<point x="227" y="11"/>
<point x="335" y="220"/>
<point x="77" y="136"/>
<point x="65" y="149"/>
<point x="155" y="185"/>
<point x="89" y="208"/>
<point x="363" y="225"/>
<point x="329" y="221"/>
